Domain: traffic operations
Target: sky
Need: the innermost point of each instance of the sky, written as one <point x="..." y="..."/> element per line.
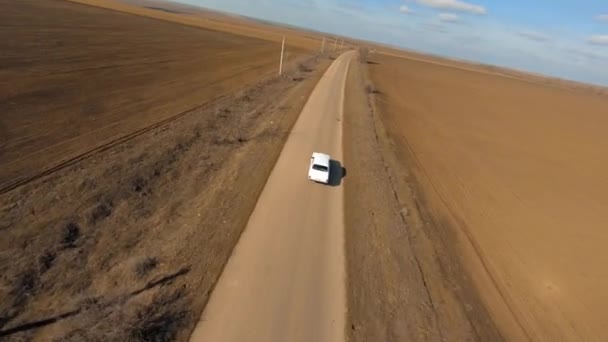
<point x="562" y="38"/>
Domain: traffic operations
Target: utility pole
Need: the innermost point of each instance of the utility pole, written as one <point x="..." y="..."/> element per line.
<point x="282" y="52"/>
<point x="323" y="46"/>
<point x="341" y="44"/>
<point x="335" y="43"/>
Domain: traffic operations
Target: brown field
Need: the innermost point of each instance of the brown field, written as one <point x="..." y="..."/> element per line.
<point x="170" y="133"/>
<point x="492" y="70"/>
<point x="405" y="279"/>
<point x="196" y="17"/>
<point x="74" y="78"/>
<point x="516" y="171"/>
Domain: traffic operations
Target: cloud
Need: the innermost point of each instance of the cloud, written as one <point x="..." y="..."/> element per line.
<point x="535" y="36"/>
<point x="466" y="40"/>
<point x="602" y="17"/>
<point x="495" y="38"/>
<point x="404" y="9"/>
<point x="587" y="54"/>
<point x="448" y="17"/>
<point x="598" y="40"/>
<point x="350" y="6"/>
<point x="455" y="5"/>
<point x="434" y="27"/>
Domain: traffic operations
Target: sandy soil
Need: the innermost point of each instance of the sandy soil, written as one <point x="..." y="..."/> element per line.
<point x="405" y="279"/>
<point x="127" y="243"/>
<point x="74" y="78"/>
<point x="516" y="169"/>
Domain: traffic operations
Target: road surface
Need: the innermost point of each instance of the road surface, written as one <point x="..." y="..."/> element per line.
<point x="285" y="280"/>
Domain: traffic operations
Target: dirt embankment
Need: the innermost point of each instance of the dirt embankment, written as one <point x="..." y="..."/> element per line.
<point x="405" y="278"/>
<point x="74" y="78"/>
<point x="515" y="170"/>
<point x="127" y="244"/>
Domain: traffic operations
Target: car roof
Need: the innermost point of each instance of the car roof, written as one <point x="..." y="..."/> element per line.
<point x="321" y="158"/>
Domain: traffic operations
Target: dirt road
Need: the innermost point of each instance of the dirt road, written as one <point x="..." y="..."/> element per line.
<point x="285" y="279"/>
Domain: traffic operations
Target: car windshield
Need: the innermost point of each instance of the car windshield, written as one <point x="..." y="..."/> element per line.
<point x="319" y="167"/>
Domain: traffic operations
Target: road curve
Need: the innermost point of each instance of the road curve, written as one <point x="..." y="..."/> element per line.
<point x="286" y="280"/>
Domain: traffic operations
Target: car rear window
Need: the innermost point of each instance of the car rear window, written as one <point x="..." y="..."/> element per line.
<point x="319" y="167"/>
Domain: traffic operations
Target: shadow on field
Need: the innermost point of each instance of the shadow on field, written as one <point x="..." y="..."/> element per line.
<point x="337" y="173"/>
<point x="38" y="324"/>
<point x="157" y="322"/>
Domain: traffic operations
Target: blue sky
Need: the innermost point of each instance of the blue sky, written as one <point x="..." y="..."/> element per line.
<point x="563" y="38"/>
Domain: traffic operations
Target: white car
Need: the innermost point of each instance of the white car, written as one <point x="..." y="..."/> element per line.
<point x="319" y="169"/>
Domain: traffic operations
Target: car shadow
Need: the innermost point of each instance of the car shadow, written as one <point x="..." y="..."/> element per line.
<point x="336" y="174"/>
